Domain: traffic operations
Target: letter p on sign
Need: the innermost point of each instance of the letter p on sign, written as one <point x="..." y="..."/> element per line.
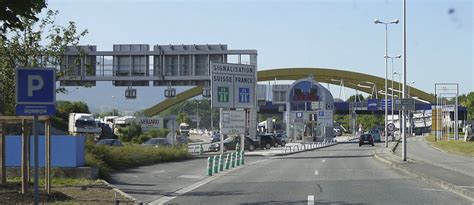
<point x="32" y="86"/>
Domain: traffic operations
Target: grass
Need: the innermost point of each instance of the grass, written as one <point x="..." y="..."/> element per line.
<point x="108" y="158"/>
<point x="456" y="147"/>
<point x="61" y="181"/>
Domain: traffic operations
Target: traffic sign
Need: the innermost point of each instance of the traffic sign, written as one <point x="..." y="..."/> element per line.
<point x="233" y="85"/>
<point x="35" y="91"/>
<point x="405" y="104"/>
<point x="232" y="122"/>
<point x="391" y="127"/>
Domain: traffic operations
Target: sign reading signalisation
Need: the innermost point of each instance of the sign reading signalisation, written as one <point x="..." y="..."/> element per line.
<point x="232" y="122"/>
<point x="233" y="85"/>
<point x="35" y="91"/>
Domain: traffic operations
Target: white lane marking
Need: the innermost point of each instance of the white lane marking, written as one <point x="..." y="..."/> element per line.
<point x="316" y="172"/>
<point x="198" y="184"/>
<point x="428" y="189"/>
<point x="466" y="186"/>
<point x="310" y="199"/>
<point x="323" y="160"/>
<point x="191" y="176"/>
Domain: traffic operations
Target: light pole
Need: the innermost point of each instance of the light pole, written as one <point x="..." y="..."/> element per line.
<point x="399" y="97"/>
<point x="404" y="54"/>
<point x="399" y="56"/>
<point x="376" y="21"/>
<point x="197" y="115"/>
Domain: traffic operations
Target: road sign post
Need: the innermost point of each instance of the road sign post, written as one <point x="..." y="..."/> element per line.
<point x="233" y="86"/>
<point x="35" y="96"/>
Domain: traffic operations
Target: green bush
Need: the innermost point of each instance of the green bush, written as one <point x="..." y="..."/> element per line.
<point x="108" y="158"/>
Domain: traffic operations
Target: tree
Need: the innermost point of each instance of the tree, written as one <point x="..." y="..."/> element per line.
<point x="356" y="98"/>
<point x="183" y="118"/>
<point x="468" y="102"/>
<point x="63" y="108"/>
<point x="37" y="44"/>
<point x="13" y="14"/>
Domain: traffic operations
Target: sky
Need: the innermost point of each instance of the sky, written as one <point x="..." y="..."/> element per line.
<point x="338" y="34"/>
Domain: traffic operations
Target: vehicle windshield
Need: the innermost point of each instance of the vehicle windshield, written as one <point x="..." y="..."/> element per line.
<point x="85" y="124"/>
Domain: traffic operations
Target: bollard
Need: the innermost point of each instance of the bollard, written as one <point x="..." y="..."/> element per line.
<point x="232" y="159"/>
<point x="209" y="166"/>
<point x="216" y="164"/>
<point x="221" y="163"/>
<point x="242" y="157"/>
<point x="227" y="161"/>
<point x="237" y="161"/>
<point x="237" y="147"/>
<point x="200" y="149"/>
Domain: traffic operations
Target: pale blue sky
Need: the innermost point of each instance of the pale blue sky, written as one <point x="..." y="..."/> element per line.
<point x="334" y="34"/>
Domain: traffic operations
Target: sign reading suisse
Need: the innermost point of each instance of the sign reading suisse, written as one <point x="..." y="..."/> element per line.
<point x="233" y="85"/>
<point x="35" y="91"/>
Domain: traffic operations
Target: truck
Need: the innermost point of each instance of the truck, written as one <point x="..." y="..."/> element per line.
<point x="83" y="124"/>
<point x="146" y="123"/>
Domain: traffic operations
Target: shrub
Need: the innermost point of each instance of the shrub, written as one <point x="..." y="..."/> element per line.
<point x="116" y="158"/>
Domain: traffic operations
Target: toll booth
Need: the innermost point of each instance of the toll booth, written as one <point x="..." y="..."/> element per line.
<point x="310" y="109"/>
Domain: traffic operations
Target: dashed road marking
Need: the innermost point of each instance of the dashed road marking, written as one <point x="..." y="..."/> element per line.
<point x="323" y="160"/>
<point x="310" y="199"/>
<point x="316" y="172"/>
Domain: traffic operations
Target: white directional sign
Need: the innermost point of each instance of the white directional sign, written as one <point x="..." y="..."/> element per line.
<point x="233" y="85"/>
<point x="232" y="122"/>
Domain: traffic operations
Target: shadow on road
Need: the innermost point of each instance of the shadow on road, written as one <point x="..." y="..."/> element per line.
<point x="215" y="193"/>
<point x="299" y="202"/>
<point x="131" y="184"/>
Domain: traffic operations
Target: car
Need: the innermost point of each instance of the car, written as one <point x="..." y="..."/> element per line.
<point x="110" y="142"/>
<point x="366" y="139"/>
<point x="217" y="137"/>
<point x="231" y="142"/>
<point x="266" y="140"/>
<point x="281" y="139"/>
<point x="376" y="134"/>
<point x="156" y="142"/>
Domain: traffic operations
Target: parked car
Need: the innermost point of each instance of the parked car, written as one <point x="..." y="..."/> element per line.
<point x="231" y="143"/>
<point x="110" y="142"/>
<point x="366" y="139"/>
<point x="267" y="140"/>
<point x="281" y="139"/>
<point x="376" y="134"/>
<point x="156" y="142"/>
<point x="217" y="137"/>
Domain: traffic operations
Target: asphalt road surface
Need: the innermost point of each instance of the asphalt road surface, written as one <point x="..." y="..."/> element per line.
<point x="341" y="174"/>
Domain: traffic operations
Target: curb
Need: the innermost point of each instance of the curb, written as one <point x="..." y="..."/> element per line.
<point x="135" y="201"/>
<point x="290" y="153"/>
<point x="428" y="179"/>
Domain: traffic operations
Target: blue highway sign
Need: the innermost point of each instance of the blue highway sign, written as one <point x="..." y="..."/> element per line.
<point x="35" y="91"/>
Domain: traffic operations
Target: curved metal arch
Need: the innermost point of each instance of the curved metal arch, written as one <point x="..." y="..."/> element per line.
<point x="351" y="79"/>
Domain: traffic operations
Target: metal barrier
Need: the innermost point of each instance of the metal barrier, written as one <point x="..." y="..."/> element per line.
<point x="287" y="146"/>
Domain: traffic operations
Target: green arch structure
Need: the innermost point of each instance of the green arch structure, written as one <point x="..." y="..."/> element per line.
<point x="357" y="81"/>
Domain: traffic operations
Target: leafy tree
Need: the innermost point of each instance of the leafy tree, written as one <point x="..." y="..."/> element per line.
<point x="127" y="134"/>
<point x="183" y="118"/>
<point x="13" y="14"/>
<point x="356" y="98"/>
<point x="37" y="44"/>
<point x="468" y="102"/>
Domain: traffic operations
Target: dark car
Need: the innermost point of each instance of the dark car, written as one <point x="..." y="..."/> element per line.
<point x="266" y="140"/>
<point x="217" y="137"/>
<point x="366" y="139"/>
<point x="231" y="143"/>
<point x="156" y="142"/>
<point x="281" y="139"/>
<point x="110" y="142"/>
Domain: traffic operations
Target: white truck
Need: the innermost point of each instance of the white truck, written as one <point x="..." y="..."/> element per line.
<point x="83" y="123"/>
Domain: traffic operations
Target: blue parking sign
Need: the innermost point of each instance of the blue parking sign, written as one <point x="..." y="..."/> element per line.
<point x="35" y="91"/>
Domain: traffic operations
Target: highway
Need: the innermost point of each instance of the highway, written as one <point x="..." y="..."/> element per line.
<point x="341" y="174"/>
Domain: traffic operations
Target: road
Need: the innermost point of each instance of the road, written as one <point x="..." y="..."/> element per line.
<point x="420" y="150"/>
<point x="341" y="174"/>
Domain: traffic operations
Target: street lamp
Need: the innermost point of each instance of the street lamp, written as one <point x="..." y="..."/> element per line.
<point x="399" y="97"/>
<point x="399" y="56"/>
<point x="376" y="21"/>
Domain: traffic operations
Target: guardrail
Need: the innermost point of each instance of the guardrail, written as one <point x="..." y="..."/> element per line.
<point x="307" y="146"/>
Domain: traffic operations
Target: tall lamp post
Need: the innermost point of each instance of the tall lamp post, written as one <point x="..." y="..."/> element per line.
<point x="399" y="56"/>
<point x="399" y="97"/>
<point x="376" y="21"/>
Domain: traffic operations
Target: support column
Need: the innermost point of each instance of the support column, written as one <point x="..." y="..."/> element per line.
<point x="47" y="170"/>
<point x="24" y="156"/>
<point x="3" y="168"/>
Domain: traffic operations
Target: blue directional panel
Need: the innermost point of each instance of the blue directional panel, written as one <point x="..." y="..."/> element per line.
<point x="35" y="91"/>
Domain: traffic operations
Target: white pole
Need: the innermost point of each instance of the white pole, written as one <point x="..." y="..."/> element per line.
<point x="456" y="117"/>
<point x="386" y="90"/>
<point x="392" y="92"/>
<point x="36" y="160"/>
<point x="404" y="142"/>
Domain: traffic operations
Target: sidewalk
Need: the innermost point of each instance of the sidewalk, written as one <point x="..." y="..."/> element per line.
<point x="450" y="180"/>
